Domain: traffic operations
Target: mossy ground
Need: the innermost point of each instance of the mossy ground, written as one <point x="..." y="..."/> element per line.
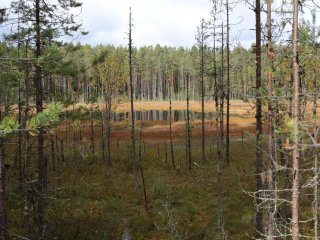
<point x="87" y="199"/>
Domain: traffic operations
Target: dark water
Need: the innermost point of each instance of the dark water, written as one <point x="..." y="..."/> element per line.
<point x="161" y="115"/>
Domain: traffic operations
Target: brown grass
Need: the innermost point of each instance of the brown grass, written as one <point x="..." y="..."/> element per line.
<point x="236" y="107"/>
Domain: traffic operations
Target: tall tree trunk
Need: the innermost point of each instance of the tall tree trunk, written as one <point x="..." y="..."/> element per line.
<point x="271" y="129"/>
<point x="53" y="158"/>
<point x="222" y="95"/>
<point x="108" y="124"/>
<point x="39" y="107"/>
<point x="3" y="217"/>
<point x="295" y="115"/>
<point x="19" y="115"/>
<point x="92" y="148"/>
<point x="27" y="149"/>
<point x="259" y="163"/>
<point x="188" y="127"/>
<point x="103" y="138"/>
<point x="228" y="88"/>
<point x="20" y="138"/>
<point x="217" y="91"/>
<point x="170" y="126"/>
<point x="202" y="90"/>
<point x="315" y="160"/>
<point x="133" y="138"/>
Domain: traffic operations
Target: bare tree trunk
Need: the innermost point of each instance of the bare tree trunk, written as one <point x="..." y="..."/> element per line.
<point x="133" y="138"/>
<point x="295" y="115"/>
<point x="66" y="123"/>
<point x="39" y="107"/>
<point x="3" y="217"/>
<point x="92" y="136"/>
<point x="228" y="87"/>
<point x="219" y="205"/>
<point x="53" y="158"/>
<point x="25" y="185"/>
<point x="218" y="90"/>
<point x="222" y="95"/>
<point x="315" y="160"/>
<point x="118" y="154"/>
<point x="103" y="138"/>
<point x="74" y="142"/>
<point x="62" y="150"/>
<point x="141" y="169"/>
<point x="170" y="116"/>
<point x="166" y="153"/>
<point x="20" y="139"/>
<point x="202" y="91"/>
<point x="315" y="137"/>
<point x="108" y="125"/>
<point x="27" y="151"/>
<point x="259" y="163"/>
<point x="140" y="143"/>
<point x="144" y="188"/>
<point x="271" y="154"/>
<point x="188" y="128"/>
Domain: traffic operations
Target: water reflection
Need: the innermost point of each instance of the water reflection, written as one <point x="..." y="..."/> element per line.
<point x="161" y="115"/>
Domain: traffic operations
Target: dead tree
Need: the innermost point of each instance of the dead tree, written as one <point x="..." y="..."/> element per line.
<point x="188" y="127"/>
<point x="170" y="119"/>
<point x="218" y="97"/>
<point x="271" y="151"/>
<point x="295" y="115"/>
<point x="133" y="138"/>
<point x="315" y="160"/>
<point x="259" y="161"/>
<point x="228" y="86"/>
<point x="221" y="96"/>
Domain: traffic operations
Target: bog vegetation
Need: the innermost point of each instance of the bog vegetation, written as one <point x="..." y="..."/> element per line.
<point x="215" y="141"/>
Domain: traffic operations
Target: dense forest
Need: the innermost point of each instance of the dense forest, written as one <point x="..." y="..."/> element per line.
<point x="211" y="141"/>
<point x="156" y="70"/>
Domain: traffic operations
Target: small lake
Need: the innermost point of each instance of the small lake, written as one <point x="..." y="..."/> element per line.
<point x="162" y="115"/>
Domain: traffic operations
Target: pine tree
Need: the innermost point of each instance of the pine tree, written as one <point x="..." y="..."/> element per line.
<point x="202" y="36"/>
<point x="42" y="22"/>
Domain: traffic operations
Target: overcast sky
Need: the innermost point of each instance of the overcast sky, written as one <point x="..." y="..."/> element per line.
<point x="167" y="22"/>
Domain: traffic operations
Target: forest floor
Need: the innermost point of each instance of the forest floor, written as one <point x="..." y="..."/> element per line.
<point x="88" y="199"/>
<point x="159" y="132"/>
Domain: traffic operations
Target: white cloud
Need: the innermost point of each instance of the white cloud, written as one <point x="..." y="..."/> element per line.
<point x="155" y="21"/>
<point x="167" y="22"/>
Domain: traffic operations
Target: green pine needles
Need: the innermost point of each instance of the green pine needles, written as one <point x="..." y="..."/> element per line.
<point x="48" y="118"/>
<point x="7" y="126"/>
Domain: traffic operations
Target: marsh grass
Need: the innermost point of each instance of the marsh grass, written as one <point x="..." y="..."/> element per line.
<point x="88" y="200"/>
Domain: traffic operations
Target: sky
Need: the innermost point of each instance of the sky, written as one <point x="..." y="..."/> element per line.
<point x="165" y="22"/>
